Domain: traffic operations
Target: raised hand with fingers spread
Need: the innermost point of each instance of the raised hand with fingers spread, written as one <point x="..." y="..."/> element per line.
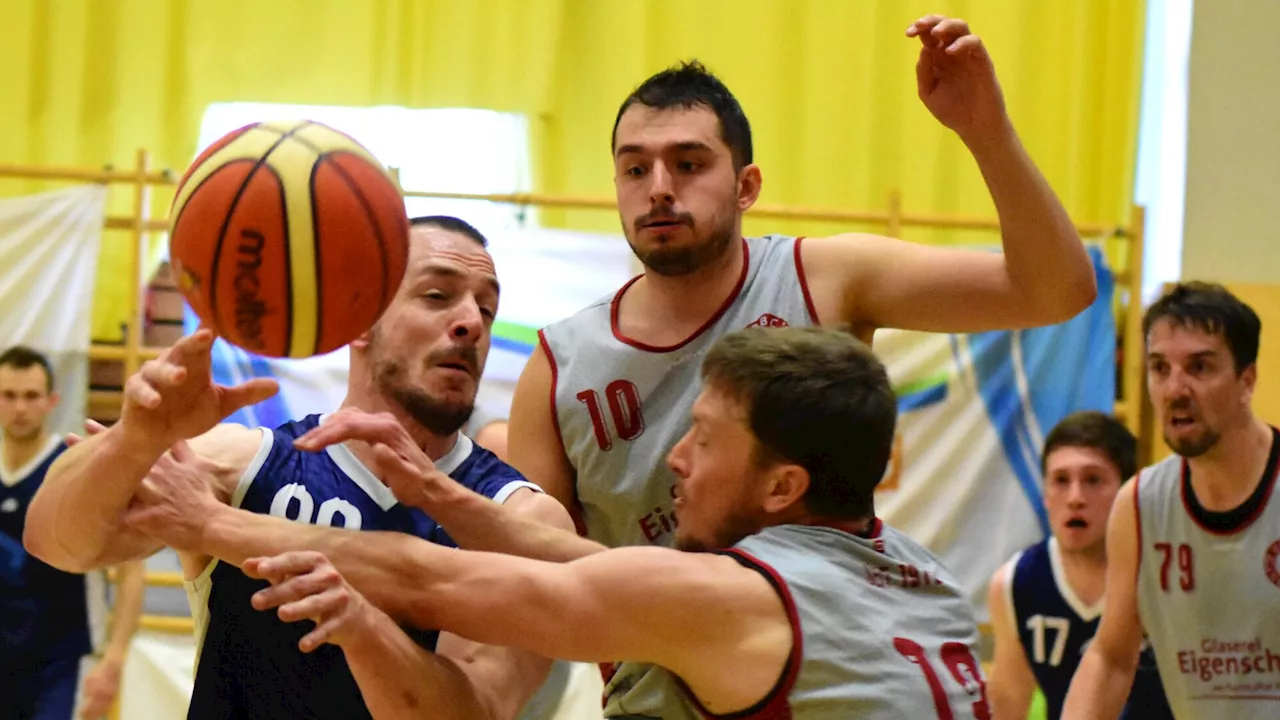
<point x="397" y="460"/>
<point x="174" y="397"/>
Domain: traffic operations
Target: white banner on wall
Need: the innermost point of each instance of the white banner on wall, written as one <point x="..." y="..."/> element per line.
<point x="48" y="263"/>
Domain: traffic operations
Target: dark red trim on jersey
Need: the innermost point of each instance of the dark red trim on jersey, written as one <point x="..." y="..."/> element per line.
<point x="555" y="374"/>
<point x="733" y="295"/>
<point x="1137" y="518"/>
<point x="1272" y="471"/>
<point x="776" y="705"/>
<point x="804" y="284"/>
<point x="578" y="520"/>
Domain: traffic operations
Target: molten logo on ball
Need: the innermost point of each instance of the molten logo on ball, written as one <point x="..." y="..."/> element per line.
<point x="249" y="306"/>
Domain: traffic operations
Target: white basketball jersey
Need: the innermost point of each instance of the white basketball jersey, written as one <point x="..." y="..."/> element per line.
<point x="620" y="405"/>
<point x="1209" y="597"/>
<point x="882" y="630"/>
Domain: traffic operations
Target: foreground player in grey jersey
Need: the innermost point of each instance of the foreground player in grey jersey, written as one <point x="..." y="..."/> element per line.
<point x="1193" y="541"/>
<point x="801" y="603"/>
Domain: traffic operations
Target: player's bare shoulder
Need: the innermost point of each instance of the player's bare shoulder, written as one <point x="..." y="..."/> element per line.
<point x="833" y="270"/>
<point x="229" y="449"/>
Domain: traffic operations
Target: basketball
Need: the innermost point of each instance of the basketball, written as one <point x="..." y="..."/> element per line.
<point x="288" y="239"/>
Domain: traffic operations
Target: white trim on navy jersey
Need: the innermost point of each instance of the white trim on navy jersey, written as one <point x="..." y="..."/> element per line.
<point x="1086" y="612"/>
<point x="95" y="604"/>
<point x="364" y="478"/>
<point x="1011" y="574"/>
<point x="254" y="467"/>
<point x="510" y="489"/>
<point x="9" y="478"/>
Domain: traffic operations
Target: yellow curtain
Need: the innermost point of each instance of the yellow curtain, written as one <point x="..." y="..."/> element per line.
<point x="829" y="88"/>
<point x="827" y="84"/>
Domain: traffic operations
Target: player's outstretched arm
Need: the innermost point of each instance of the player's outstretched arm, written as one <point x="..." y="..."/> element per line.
<point x="1105" y="676"/>
<point x="1044" y="275"/>
<point x="101" y="685"/>
<point x="1011" y="682"/>
<point x="720" y="626"/>
<point x="74" y="519"/>
<point x="529" y="524"/>
<point x="398" y="679"/>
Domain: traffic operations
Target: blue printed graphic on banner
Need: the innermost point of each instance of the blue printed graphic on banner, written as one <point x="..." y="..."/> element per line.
<point x="1029" y="380"/>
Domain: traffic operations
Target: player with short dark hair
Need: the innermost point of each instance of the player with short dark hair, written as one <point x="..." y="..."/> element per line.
<point x="52" y="623"/>
<point x="1193" y="542"/>
<point x="1046" y="601"/>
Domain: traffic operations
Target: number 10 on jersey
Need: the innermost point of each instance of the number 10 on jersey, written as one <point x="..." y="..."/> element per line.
<point x="623" y="400"/>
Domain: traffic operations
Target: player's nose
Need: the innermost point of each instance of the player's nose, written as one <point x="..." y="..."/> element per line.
<point x="467" y="322"/>
<point x="661" y="190"/>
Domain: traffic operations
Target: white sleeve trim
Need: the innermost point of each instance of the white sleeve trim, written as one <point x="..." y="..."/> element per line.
<point x="510" y="489"/>
<point x="254" y="467"/>
<point x="1008" y="588"/>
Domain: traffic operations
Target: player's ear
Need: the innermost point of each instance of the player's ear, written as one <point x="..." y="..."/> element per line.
<point x="54" y="398"/>
<point x="785" y="487"/>
<point x="1249" y="377"/>
<point x="362" y="342"/>
<point x="749" y="184"/>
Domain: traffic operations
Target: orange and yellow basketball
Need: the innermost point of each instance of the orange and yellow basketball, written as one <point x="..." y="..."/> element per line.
<point x="288" y="239"/>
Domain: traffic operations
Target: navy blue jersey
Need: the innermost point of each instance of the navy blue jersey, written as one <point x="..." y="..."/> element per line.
<point x="1056" y="627"/>
<point x="45" y="614"/>
<point x="249" y="664"/>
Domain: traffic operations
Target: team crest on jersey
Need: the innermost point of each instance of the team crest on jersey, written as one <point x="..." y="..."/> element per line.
<point x="1269" y="563"/>
<point x="768" y="320"/>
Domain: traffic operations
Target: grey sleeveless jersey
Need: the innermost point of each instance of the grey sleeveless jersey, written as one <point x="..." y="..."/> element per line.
<point x="620" y="405"/>
<point x="1209" y="601"/>
<point x="882" y="630"/>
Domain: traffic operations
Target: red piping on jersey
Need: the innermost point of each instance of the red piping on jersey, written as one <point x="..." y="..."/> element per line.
<point x="804" y="285"/>
<point x="1184" y="480"/>
<point x="1137" y="516"/>
<point x="776" y="705"/>
<point x="733" y="295"/>
<point x="578" y="522"/>
<point x="555" y="373"/>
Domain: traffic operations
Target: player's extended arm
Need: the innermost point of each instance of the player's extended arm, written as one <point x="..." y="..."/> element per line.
<point x="126" y="611"/>
<point x="101" y="686"/>
<point x="461" y="680"/>
<point x="1044" y="275"/>
<point x="718" y="625"/>
<point x="1011" y="683"/>
<point x="73" y="522"/>
<point x="400" y="680"/>
<point x="1105" y="676"/>
<point x="377" y="564"/>
<point x="528" y="524"/>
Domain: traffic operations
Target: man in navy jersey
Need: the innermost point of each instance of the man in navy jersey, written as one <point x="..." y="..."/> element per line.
<point x="420" y="364"/>
<point x="51" y="621"/>
<point x="1046" y="601"/>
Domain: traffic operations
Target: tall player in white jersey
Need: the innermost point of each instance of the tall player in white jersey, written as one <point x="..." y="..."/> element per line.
<point x="794" y="600"/>
<point x="607" y="393"/>
<point x="1193" y="542"/>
